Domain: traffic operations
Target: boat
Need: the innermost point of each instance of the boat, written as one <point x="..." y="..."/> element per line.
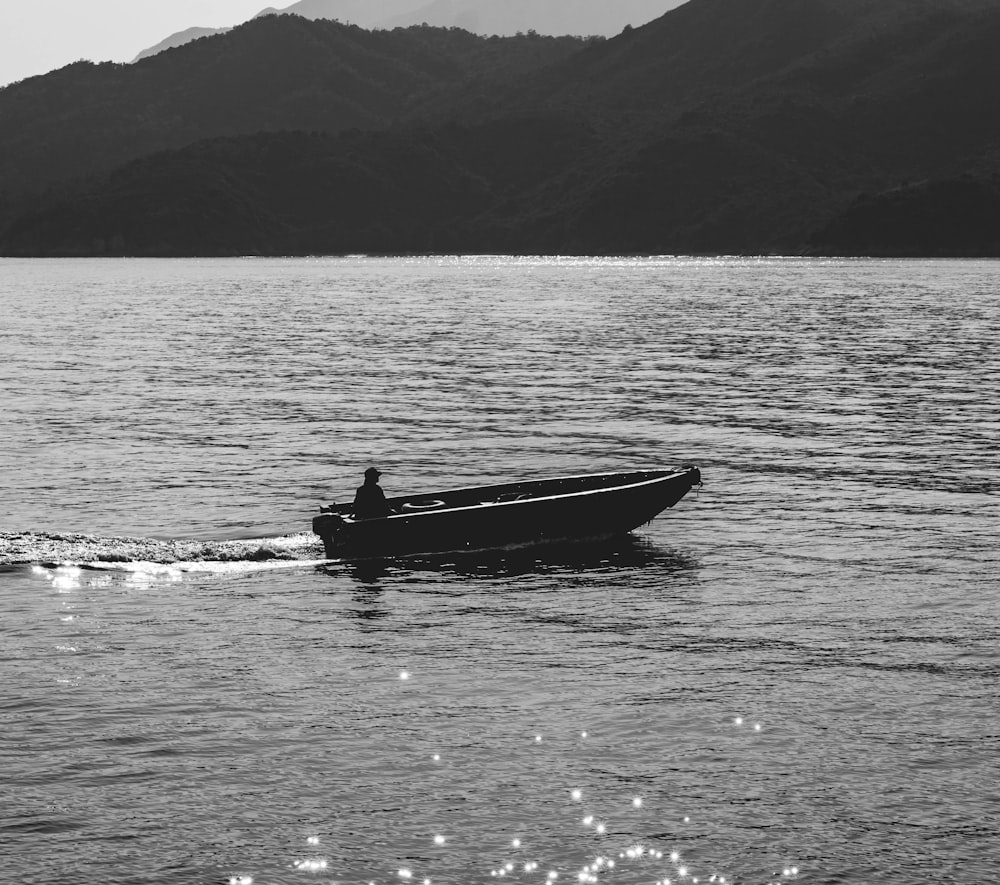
<point x="573" y="508"/>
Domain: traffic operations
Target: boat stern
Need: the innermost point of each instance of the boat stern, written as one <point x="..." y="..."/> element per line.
<point x="328" y="526"/>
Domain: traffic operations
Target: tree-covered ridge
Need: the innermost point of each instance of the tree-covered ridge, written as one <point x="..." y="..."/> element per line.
<point x="725" y="126"/>
<point x="510" y="17"/>
<point x="274" y="73"/>
<point x="305" y="193"/>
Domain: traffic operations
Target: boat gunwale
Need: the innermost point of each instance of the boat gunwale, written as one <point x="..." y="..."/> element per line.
<point x="630" y="485"/>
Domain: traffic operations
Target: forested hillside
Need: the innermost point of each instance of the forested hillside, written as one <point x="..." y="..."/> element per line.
<point x="272" y="74"/>
<point x="487" y="17"/>
<point x="724" y="126"/>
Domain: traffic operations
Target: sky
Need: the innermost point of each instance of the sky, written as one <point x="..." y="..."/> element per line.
<point x="37" y="36"/>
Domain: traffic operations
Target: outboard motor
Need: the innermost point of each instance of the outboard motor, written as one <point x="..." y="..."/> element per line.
<point x="328" y="526"/>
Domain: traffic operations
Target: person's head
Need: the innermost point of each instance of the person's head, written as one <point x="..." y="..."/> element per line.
<point x="372" y="475"/>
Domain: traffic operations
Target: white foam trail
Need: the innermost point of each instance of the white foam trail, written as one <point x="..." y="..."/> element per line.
<point x="96" y="552"/>
<point x="177" y="570"/>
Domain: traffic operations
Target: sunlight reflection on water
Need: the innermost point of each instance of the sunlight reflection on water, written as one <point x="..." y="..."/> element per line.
<point x="793" y="674"/>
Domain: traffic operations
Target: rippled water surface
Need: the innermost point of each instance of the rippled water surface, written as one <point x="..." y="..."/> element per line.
<point x="792" y="676"/>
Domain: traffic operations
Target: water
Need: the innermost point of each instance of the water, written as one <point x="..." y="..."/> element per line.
<point x="793" y="676"/>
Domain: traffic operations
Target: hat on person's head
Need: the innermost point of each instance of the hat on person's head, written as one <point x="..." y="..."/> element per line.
<point x="371" y="471"/>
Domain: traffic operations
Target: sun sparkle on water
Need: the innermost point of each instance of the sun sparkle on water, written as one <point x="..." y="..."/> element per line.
<point x="633" y="856"/>
<point x="311" y="865"/>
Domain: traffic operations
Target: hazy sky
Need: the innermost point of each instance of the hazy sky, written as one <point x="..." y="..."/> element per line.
<point x="37" y="36"/>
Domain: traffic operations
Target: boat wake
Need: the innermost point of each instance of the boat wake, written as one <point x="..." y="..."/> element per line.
<point x="150" y="554"/>
<point x="72" y="560"/>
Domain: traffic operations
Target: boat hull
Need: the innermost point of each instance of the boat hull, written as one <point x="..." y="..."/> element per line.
<point x="517" y="514"/>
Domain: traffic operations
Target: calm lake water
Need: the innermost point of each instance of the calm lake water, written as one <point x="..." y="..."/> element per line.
<point x="793" y="676"/>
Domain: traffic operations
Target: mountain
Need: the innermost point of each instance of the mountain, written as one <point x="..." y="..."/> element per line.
<point x="273" y="73"/>
<point x="488" y="17"/>
<point x="556" y="17"/>
<point x="744" y="126"/>
<point x="740" y="126"/>
<point x="179" y="39"/>
<point x="957" y="217"/>
<point x="295" y="193"/>
<point x="364" y="13"/>
<point x="367" y="14"/>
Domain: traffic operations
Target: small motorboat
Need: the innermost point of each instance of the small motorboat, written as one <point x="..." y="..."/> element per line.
<point x="573" y="508"/>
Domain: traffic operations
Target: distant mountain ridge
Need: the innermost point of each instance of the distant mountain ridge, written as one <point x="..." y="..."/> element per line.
<point x="551" y="17"/>
<point x="181" y="38"/>
<point x="735" y="126"/>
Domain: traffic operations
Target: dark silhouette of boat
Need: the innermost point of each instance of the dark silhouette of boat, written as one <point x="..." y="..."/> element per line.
<point x="573" y="508"/>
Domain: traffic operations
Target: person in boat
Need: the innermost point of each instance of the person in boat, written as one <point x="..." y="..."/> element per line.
<point x="369" y="500"/>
